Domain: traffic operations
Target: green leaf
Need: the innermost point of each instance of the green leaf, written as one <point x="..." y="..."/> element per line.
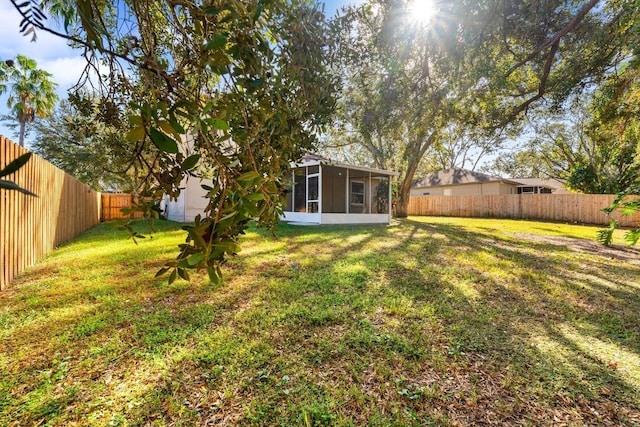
<point x="196" y="259"/>
<point x="605" y="236"/>
<point x="217" y="123"/>
<point x="15" y="165"/>
<point x="258" y="11"/>
<point x="176" y="125"/>
<point x="629" y="208"/>
<point x="632" y="237"/>
<point x="231" y="215"/>
<point x="184" y="263"/>
<point x="163" y="142"/>
<point x="161" y="272"/>
<point x="197" y="238"/>
<point x="190" y="162"/>
<point x="254" y="197"/>
<point x="173" y="276"/>
<point x="229" y="246"/>
<point x="249" y="176"/>
<point x="10" y="185"/>
<point x="136" y="134"/>
<point x="255" y="83"/>
<point x="217" y="42"/>
<point x="183" y="274"/>
<point x="214" y="277"/>
<point x="168" y="128"/>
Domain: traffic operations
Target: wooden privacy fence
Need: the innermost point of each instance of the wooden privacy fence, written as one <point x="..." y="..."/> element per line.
<point x="30" y="227"/>
<point x="579" y="208"/>
<point x="113" y="203"/>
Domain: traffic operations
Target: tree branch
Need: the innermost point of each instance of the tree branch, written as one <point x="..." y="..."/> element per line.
<point x="555" y="39"/>
<point x="144" y="65"/>
<point x="541" y="87"/>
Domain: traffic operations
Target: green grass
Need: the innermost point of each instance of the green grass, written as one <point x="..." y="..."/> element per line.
<point x="429" y="321"/>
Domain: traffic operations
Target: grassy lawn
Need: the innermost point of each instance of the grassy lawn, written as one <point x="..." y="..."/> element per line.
<point x="430" y="321"/>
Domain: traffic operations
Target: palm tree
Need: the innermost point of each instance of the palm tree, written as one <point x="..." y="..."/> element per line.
<point x="31" y="92"/>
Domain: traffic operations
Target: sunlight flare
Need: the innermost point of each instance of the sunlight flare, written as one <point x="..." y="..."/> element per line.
<point x="422" y="11"/>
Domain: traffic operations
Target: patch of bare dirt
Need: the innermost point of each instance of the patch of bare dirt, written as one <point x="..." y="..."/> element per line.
<point x="619" y="252"/>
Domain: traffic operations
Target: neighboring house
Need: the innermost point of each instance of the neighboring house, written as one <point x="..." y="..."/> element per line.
<point x="456" y="181"/>
<point x="321" y="192"/>
<point x="540" y="186"/>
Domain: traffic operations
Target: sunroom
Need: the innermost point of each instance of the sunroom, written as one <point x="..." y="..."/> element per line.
<point x="325" y="192"/>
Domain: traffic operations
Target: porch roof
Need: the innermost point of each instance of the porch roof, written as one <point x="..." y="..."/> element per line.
<point x="317" y="160"/>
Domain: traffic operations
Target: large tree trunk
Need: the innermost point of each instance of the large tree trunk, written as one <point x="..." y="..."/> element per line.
<point x="23" y="127"/>
<point x="404" y="193"/>
<point x="404" y="189"/>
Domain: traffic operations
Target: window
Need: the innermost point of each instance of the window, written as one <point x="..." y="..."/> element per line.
<point x="527" y="190"/>
<point x="357" y="193"/>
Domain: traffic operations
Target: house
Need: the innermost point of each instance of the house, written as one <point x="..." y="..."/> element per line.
<point x="321" y="192"/>
<point x="455" y="181"/>
<point x="540" y="186"/>
<point x="190" y="202"/>
<point x="326" y="192"/>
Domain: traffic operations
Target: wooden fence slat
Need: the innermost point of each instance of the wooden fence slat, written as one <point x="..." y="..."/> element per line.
<point x="578" y="208"/>
<point x="30" y="227"/>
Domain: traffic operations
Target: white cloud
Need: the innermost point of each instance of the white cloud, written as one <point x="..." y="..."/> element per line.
<point x="66" y="70"/>
<point x="50" y="52"/>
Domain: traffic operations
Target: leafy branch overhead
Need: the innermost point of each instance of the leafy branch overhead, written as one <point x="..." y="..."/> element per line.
<point x="225" y="92"/>
<point x="32" y="17"/>
<point x="627" y="203"/>
<point x="12" y="167"/>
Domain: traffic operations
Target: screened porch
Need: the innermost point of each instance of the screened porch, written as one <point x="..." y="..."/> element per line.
<point x="330" y="193"/>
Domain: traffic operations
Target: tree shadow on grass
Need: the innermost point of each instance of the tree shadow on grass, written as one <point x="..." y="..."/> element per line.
<point x="400" y="324"/>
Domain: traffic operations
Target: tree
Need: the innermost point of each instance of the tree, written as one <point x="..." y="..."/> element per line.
<point x="616" y="110"/>
<point x="83" y="136"/>
<point x="31" y="91"/>
<point x="480" y="63"/>
<point x="518" y="162"/>
<point x="235" y="89"/>
<point x="627" y="206"/>
<point x="461" y="147"/>
<point x="578" y="146"/>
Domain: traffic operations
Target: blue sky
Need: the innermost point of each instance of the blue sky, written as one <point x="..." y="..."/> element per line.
<point x="53" y="54"/>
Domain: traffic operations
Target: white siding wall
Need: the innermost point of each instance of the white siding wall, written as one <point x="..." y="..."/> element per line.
<point x="190" y="203"/>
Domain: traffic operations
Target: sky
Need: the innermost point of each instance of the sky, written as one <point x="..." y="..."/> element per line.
<point x="53" y="54"/>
